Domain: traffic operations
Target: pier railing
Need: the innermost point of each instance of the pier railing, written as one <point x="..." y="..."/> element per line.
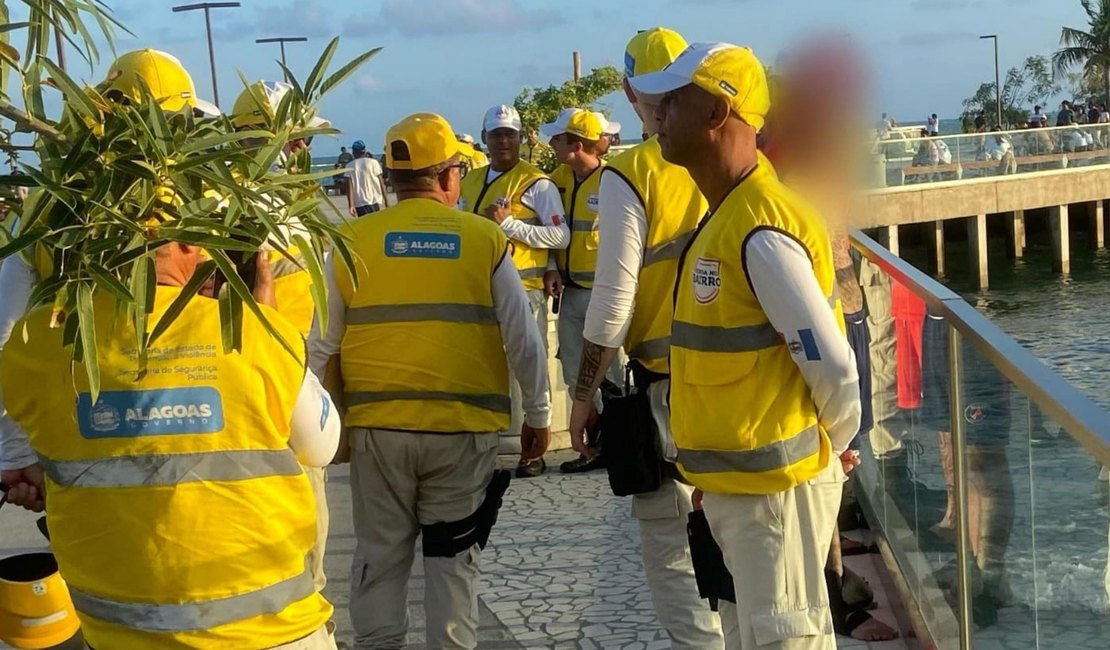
<point x="904" y="161"/>
<point x="982" y="471"/>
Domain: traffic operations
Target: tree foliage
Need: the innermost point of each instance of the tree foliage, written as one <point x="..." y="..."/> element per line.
<point x="118" y="180"/>
<point x="1087" y="49"/>
<point x="539" y="106"/>
<point x="1031" y="83"/>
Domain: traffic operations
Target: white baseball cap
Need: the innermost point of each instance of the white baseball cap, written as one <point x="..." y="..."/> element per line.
<point x="501" y="117"/>
<point x="611" y="127"/>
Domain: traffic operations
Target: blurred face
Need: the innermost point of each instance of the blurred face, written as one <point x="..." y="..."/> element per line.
<point x="564" y="151"/>
<point x="504" y="147"/>
<point x="451" y="182"/>
<point x="684" y="117"/>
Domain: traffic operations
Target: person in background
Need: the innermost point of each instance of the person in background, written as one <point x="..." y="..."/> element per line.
<point x="1066" y="116"/>
<point x="759" y="340"/>
<point x="422" y="371"/>
<point x="648" y="211"/>
<point x="344" y="157"/>
<point x="980" y="123"/>
<point x="1093" y="112"/>
<point x="933" y="125"/>
<point x="524" y="202"/>
<point x="366" y="191"/>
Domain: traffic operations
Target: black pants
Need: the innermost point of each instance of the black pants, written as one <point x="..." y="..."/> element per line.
<point x="367" y="209"/>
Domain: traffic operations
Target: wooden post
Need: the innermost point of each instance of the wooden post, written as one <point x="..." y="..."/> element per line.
<point x="1098" y="225"/>
<point x="977" y="247"/>
<point x="577" y="67"/>
<point x="1015" y="245"/>
<point x="888" y="236"/>
<point x="936" y="246"/>
<point x="1061" y="250"/>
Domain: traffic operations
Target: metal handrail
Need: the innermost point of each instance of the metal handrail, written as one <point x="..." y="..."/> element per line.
<point x="979" y="134"/>
<point x="1084" y="420"/>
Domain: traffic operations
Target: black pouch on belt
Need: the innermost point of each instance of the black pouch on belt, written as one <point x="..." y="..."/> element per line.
<point x="449" y="538"/>
<point x="713" y="577"/>
<point x="632" y="451"/>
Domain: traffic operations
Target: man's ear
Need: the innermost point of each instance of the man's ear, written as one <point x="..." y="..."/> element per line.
<point x="628" y="92"/>
<point x="484" y="138"/>
<point x="719" y="113"/>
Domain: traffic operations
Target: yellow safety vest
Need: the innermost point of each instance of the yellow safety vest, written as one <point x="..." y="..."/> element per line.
<point x="293" y="290"/>
<point x="743" y="416"/>
<point x="422" y="350"/>
<point x="178" y="513"/>
<point x="673" y="206"/>
<point x="477" y="195"/>
<point x="578" y="262"/>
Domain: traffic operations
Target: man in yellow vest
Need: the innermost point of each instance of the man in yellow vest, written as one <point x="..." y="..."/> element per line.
<point x="648" y="210"/>
<point x="423" y="365"/>
<point x="255" y="109"/>
<point x="577" y="137"/>
<point x="178" y="512"/>
<point x="526" y="204"/>
<point x="166" y="78"/>
<point x="768" y="400"/>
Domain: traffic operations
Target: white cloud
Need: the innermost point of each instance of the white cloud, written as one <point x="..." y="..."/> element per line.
<point x="305" y="17"/>
<point x="446" y="17"/>
<point x="367" y="84"/>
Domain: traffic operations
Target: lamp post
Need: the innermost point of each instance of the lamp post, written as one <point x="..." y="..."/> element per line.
<point x="207" y="7"/>
<point x="997" y="82"/>
<point x="282" y="40"/>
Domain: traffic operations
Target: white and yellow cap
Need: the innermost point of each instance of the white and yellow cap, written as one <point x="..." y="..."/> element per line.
<point x="723" y="70"/>
<point x="501" y="117"/>
<point x="169" y="82"/>
<point x="258" y="103"/>
<point x="465" y="138"/>
<point x="585" y="124"/>
<point x="651" y="50"/>
<point x="420" y="141"/>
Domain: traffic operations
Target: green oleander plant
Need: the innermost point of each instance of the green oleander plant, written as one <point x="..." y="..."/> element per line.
<point x="115" y="180"/>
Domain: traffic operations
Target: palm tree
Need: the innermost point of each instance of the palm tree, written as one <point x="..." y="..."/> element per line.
<point x="1089" y="49"/>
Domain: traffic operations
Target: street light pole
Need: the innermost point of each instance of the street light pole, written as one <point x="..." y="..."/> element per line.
<point x="997" y="80"/>
<point x="282" y="40"/>
<point x="207" y="7"/>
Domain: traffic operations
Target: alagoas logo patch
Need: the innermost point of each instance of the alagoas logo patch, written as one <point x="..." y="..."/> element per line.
<point x="592" y="202"/>
<point x="165" y="411"/>
<point x="707" y="280"/>
<point x="423" y="244"/>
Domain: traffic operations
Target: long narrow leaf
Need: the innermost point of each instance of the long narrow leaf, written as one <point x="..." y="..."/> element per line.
<point x="348" y="70"/>
<point x="89" y="346"/>
<point x="188" y="292"/>
<point x="319" y="286"/>
<point x="317" y="74"/>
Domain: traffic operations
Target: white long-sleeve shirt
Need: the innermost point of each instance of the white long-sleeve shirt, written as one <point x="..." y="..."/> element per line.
<point x="314" y="436"/>
<point x="542" y="197"/>
<point x="523" y="346"/>
<point x="782" y="277"/>
<point x="623" y="229"/>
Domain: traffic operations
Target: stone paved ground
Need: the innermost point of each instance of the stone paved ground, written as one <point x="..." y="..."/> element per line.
<point x="562" y="569"/>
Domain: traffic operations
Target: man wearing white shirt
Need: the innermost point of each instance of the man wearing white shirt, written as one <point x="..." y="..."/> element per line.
<point x="365" y="187"/>
<point x="521" y="199"/>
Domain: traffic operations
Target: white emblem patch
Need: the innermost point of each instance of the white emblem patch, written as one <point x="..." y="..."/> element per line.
<point x="592" y="202"/>
<point x="707" y="280"/>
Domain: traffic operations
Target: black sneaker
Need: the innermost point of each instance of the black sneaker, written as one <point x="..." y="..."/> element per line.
<point x="531" y="468"/>
<point x="582" y="464"/>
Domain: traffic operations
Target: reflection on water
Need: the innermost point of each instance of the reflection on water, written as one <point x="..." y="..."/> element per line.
<point x="1050" y="588"/>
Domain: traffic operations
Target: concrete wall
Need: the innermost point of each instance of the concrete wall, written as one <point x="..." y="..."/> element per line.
<point x="954" y="199"/>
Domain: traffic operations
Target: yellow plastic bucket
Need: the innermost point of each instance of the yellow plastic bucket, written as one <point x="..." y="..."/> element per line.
<point x="35" y="608"/>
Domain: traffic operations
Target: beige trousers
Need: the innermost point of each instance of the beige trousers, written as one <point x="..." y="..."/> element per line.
<point x="317" y="477"/>
<point x="665" y="552"/>
<point x="775" y="546"/>
<point x="400" y="481"/>
<point x="510" y="439"/>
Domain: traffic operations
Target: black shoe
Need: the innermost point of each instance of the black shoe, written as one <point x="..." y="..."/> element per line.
<point x="531" y="468"/>
<point x="582" y="464"/>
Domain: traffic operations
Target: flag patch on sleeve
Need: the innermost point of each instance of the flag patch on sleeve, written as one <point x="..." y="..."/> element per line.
<point x="809" y="345"/>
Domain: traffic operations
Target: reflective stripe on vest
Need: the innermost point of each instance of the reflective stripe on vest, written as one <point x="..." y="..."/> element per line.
<point x="490" y="401"/>
<point x="196" y="616"/>
<point x="447" y="312"/>
<point x="171" y="469"/>
<point x="652" y="349"/>
<point x="778" y="455"/>
<point x="537" y="272"/>
<point x="748" y="338"/>
<point x="668" y="250"/>
<point x="583" y="226"/>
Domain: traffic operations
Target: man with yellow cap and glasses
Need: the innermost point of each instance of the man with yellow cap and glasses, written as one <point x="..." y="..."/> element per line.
<point x="578" y="138"/>
<point x="525" y="203"/>
<point x="423" y="360"/>
<point x="648" y="210"/>
<point x="168" y="81"/>
<point x="141" y="483"/>
<point x="768" y="397"/>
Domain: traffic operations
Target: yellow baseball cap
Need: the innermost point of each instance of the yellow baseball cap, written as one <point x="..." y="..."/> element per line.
<point x="651" y="50"/>
<point x="258" y="103"/>
<point x="420" y="141"/>
<point x="582" y="123"/>
<point x="723" y="70"/>
<point x="168" y="80"/>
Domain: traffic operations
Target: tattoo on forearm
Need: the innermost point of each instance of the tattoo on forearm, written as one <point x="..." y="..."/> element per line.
<point x="588" y="373"/>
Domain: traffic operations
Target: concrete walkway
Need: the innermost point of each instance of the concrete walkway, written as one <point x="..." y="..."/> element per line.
<point x="562" y="569"/>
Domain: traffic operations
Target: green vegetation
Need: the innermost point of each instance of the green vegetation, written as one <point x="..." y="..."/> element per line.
<point x="117" y="180"/>
<point x="1088" y="50"/>
<point x="1032" y="83"/>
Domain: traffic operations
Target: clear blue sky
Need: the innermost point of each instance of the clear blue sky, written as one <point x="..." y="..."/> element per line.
<point x="458" y="57"/>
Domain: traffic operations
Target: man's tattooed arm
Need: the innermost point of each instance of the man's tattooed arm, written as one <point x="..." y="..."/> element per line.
<point x="595" y="359"/>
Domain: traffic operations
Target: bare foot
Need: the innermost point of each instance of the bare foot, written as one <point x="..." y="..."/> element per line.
<point x="874" y="630"/>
